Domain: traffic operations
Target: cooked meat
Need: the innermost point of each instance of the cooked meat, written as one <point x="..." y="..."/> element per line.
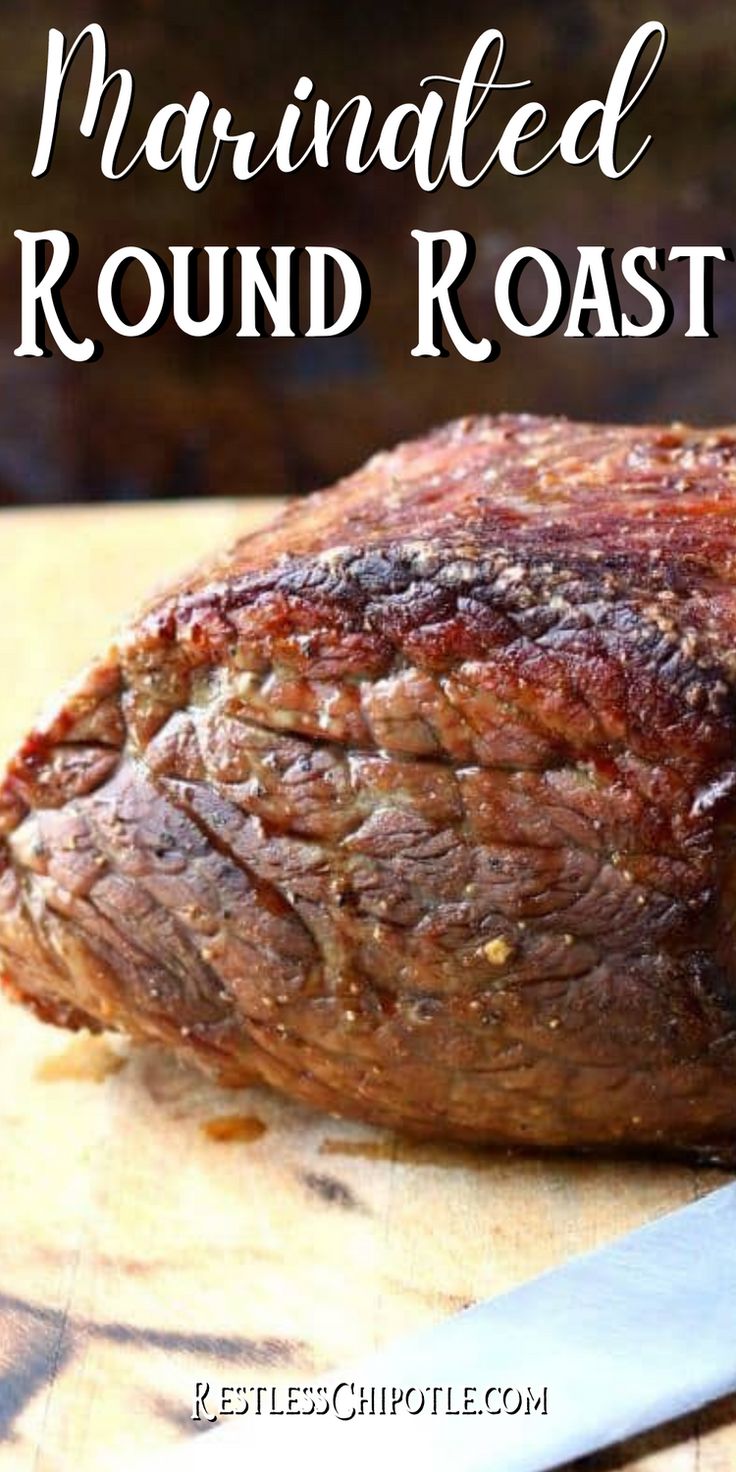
<point x="419" y="804"/>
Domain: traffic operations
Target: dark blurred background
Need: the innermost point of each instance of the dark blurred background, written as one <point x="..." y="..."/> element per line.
<point x="173" y="416"/>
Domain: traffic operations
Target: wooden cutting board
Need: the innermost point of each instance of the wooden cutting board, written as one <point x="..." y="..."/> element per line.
<point x="139" y="1252"/>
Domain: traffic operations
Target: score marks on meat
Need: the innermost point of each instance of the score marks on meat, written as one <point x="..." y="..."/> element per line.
<point x="329" y="295"/>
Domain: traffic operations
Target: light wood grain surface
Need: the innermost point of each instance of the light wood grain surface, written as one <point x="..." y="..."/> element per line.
<point x="139" y="1252"/>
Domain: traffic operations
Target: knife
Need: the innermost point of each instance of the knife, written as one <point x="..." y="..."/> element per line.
<point x="624" y="1338"/>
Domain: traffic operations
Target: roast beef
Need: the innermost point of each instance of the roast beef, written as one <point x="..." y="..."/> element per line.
<point x="419" y="804"/>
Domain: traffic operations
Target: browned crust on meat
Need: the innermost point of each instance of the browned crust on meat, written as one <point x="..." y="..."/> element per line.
<point x="420" y="800"/>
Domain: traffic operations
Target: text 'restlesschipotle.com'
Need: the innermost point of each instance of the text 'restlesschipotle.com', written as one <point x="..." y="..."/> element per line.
<point x="347" y="1400"/>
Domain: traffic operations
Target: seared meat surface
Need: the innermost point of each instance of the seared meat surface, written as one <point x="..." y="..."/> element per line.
<point x="419" y="804"/>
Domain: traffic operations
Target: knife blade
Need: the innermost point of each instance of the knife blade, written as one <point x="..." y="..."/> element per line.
<point x="634" y="1334"/>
